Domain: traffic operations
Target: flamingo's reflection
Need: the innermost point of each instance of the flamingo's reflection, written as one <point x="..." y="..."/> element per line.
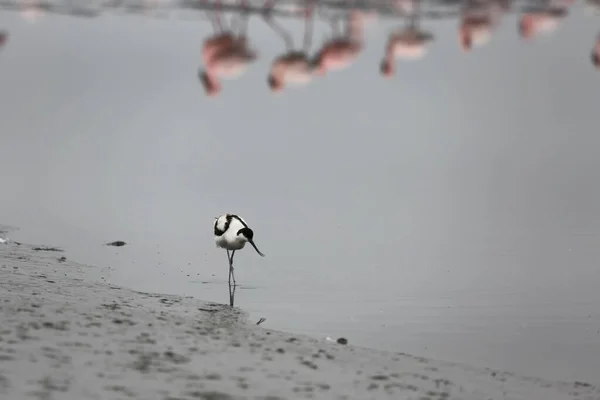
<point x="226" y="54"/>
<point x="410" y="43"/>
<point x="293" y="67"/>
<point x="342" y="50"/>
<point x="544" y="21"/>
<point x="478" y="22"/>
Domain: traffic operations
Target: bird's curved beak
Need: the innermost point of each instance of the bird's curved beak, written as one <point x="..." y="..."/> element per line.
<point x="256" y="248"/>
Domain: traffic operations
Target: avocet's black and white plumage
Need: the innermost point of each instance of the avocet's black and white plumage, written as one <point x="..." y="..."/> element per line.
<point x="232" y="233"/>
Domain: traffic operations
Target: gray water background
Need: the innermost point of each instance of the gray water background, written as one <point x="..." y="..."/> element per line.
<point x="451" y="212"/>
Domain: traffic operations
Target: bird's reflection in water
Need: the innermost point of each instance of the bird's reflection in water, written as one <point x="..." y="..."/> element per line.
<point x="542" y="21"/>
<point x="478" y="20"/>
<point x="292" y="67"/>
<point x="226" y="54"/>
<point x="232" y="294"/>
<point x="477" y="23"/>
<point x="342" y="49"/>
<point x="410" y="43"/>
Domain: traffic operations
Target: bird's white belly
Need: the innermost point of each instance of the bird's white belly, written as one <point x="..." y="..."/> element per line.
<point x="230" y="243"/>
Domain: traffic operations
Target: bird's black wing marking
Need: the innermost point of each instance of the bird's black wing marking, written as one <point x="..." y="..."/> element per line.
<point x="239" y="219"/>
<point x="219" y="232"/>
<point x="227" y="222"/>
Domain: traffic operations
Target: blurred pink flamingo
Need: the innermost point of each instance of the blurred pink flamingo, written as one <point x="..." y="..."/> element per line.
<point x="293" y="67"/>
<point x="226" y="54"/>
<point x="410" y="43"/>
<point x="544" y="21"/>
<point x="342" y="50"/>
<point x="477" y="23"/>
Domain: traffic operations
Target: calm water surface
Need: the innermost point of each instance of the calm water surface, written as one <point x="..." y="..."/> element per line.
<point x="452" y="211"/>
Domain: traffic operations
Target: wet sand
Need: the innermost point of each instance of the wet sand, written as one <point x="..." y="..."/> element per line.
<point x="63" y="336"/>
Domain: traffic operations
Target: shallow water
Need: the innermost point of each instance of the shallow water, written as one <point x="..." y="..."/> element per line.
<point x="452" y="211"/>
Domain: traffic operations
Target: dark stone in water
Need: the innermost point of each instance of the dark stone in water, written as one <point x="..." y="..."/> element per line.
<point x="117" y="243"/>
<point x="342" y="341"/>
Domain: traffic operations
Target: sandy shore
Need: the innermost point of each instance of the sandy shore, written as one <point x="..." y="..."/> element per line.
<point x="65" y="337"/>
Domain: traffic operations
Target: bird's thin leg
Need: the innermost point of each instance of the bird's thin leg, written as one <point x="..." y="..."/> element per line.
<point x="231" y="267"/>
<point x="215" y="17"/>
<point x="278" y="29"/>
<point x="244" y="21"/>
<point x="239" y="21"/>
<point x="308" y="26"/>
<point x="414" y="17"/>
<point x="334" y="25"/>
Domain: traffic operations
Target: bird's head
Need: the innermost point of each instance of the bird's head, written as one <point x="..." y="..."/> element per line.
<point x="247" y="234"/>
<point x="210" y="84"/>
<point x="275" y="84"/>
<point x="387" y="67"/>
